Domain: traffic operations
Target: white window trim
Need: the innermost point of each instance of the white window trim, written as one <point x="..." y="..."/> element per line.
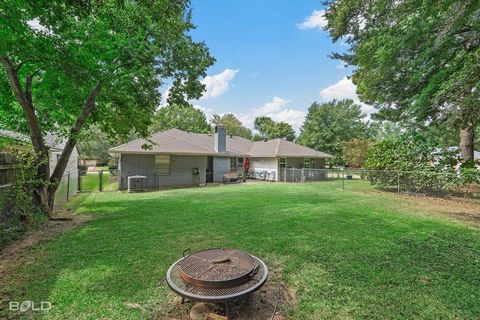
<point x="169" y="165"/>
<point x="305" y="159"/>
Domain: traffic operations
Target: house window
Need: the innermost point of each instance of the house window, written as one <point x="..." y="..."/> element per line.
<point x="233" y="164"/>
<point x="306" y="163"/>
<point x="162" y="164"/>
<point x="283" y="162"/>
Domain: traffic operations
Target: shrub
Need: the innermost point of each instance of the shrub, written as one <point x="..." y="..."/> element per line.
<point x="17" y="210"/>
<point x="410" y="162"/>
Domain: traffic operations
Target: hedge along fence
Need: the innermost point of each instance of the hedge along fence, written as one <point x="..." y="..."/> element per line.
<point x="463" y="184"/>
<point x="17" y="210"/>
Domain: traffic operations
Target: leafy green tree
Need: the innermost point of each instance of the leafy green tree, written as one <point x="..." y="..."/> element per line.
<point x="265" y="126"/>
<point x="257" y="137"/>
<point x="270" y="129"/>
<point x="285" y="131"/>
<point x="67" y="66"/>
<point x="354" y="151"/>
<point x="94" y="144"/>
<point x="232" y="125"/>
<point x="415" y="59"/>
<point x="411" y="160"/>
<point x="181" y="116"/>
<point x="328" y="124"/>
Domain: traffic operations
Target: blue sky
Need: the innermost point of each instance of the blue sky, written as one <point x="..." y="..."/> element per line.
<point x="272" y="59"/>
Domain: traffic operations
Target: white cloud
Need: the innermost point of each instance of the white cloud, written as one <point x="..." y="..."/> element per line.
<point x="272" y="107"/>
<point x="165" y="94"/>
<point x="218" y="84"/>
<point x="345" y="89"/>
<point x="316" y="20"/>
<point x="209" y="112"/>
<point x="35" y="25"/>
<point x="275" y="109"/>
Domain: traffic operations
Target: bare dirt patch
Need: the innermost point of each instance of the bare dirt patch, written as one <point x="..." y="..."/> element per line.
<point x="463" y="210"/>
<point x="16" y="254"/>
<point x="273" y="301"/>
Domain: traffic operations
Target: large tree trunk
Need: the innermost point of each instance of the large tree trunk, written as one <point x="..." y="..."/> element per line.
<point x="467" y="136"/>
<point x="44" y="197"/>
<point x="44" y="194"/>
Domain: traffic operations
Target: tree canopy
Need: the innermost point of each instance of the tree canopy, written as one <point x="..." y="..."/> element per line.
<point x="414" y="59"/>
<point x="67" y="66"/>
<point x="94" y="144"/>
<point x="181" y="116"/>
<point x="232" y="125"/>
<point x="270" y="129"/>
<point x="328" y="124"/>
<point x="354" y="151"/>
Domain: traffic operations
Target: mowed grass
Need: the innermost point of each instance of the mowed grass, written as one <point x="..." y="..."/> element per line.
<point x="91" y="181"/>
<point x="349" y="254"/>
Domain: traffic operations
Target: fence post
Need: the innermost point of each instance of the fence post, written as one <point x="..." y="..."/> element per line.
<point x="68" y="185"/>
<point x="100" y="182"/>
<point x="285" y="174"/>
<point x="343" y="180"/>
<point x="79" y="182"/>
<point x="303" y="175"/>
<point x="398" y="182"/>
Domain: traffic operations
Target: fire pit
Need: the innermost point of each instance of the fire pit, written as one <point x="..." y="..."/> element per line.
<point x="217" y="275"/>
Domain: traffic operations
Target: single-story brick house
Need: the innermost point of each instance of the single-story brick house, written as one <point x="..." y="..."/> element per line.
<point x="178" y="158"/>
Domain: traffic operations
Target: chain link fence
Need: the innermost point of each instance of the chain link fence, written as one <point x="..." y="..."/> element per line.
<point x="9" y="219"/>
<point x="17" y="210"/>
<point x="437" y="184"/>
<point x="67" y="188"/>
<point x="97" y="181"/>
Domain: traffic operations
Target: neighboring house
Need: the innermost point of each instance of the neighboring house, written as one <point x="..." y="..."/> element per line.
<point x="69" y="184"/>
<point x="175" y="157"/>
<point x="458" y="156"/>
<point x="56" y="147"/>
<point x="88" y="162"/>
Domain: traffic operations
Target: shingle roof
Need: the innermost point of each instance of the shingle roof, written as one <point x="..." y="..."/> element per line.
<point x="51" y="139"/>
<point x="176" y="141"/>
<point x="283" y="148"/>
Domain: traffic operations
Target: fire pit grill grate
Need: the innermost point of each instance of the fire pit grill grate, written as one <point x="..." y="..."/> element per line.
<point x="218" y="268"/>
<point x="216" y="294"/>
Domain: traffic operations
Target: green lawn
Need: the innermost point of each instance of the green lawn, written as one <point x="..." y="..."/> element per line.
<point x="90" y="181"/>
<point x="350" y="254"/>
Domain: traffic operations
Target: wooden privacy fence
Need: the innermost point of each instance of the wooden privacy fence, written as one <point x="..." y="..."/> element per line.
<point x="8" y="173"/>
<point x="8" y="168"/>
